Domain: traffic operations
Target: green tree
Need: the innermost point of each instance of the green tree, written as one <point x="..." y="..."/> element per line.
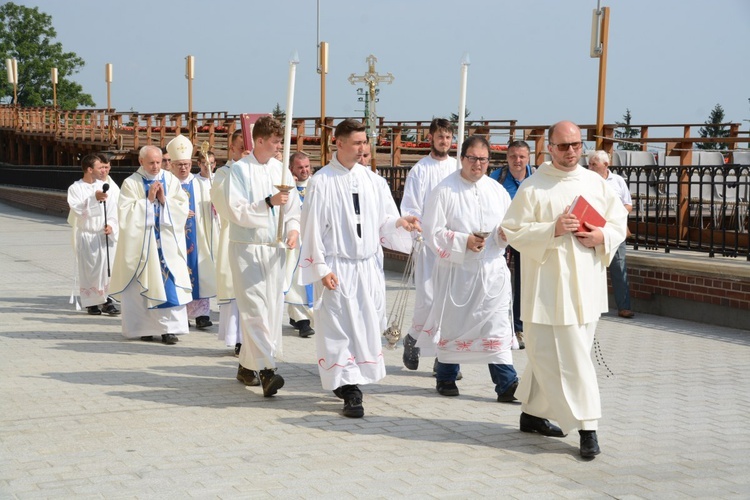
<point x="713" y="129"/>
<point x="28" y="35"/>
<point x="279" y="113"/>
<point x="627" y="133"/>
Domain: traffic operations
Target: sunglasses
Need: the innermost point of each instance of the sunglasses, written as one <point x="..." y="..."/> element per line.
<point x="566" y="145"/>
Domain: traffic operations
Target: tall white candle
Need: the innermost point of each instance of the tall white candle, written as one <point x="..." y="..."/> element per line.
<point x="462" y="101"/>
<point x="293" y="61"/>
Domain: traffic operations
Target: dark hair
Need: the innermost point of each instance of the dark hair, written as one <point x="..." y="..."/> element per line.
<point x="89" y="161"/>
<point x="347" y="128"/>
<point x="519" y="144"/>
<point x="472" y="141"/>
<point x="164" y="151"/>
<point x="105" y="157"/>
<point x="267" y="126"/>
<point x="237" y="133"/>
<point x="439" y="124"/>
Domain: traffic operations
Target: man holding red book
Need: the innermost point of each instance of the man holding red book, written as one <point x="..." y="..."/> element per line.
<point x="564" y="288"/>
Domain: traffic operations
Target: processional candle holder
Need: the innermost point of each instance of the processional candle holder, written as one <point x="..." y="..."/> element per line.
<point x="280" y="229"/>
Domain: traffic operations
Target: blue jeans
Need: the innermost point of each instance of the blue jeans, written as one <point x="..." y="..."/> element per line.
<point x="618" y="272"/>
<point x="503" y="376"/>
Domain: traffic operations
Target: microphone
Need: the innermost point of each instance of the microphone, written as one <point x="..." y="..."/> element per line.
<point x="105" y="187"/>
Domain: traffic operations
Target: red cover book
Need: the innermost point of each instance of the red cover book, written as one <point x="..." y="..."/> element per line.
<point x="583" y="210"/>
<point x="247" y="120"/>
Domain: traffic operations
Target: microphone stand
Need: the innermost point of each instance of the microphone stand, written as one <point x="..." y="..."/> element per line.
<point x="106" y="236"/>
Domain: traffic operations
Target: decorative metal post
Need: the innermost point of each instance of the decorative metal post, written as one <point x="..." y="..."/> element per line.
<point x="372" y="79"/>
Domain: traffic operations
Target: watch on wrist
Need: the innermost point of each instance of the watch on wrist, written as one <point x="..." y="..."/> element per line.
<point x="268" y="202"/>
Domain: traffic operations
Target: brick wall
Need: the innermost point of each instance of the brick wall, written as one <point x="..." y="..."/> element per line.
<point x="50" y="202"/>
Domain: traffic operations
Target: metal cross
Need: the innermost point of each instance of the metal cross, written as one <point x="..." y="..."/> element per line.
<point x="372" y="79"/>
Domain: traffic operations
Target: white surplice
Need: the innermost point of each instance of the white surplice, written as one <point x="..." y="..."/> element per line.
<point x="137" y="271"/>
<point x="229" y="316"/>
<point x="295" y="294"/>
<point x="564" y="292"/>
<point x="469" y="319"/>
<point x="256" y="260"/>
<point x="90" y="245"/>
<point x="350" y="319"/>
<point x="421" y="180"/>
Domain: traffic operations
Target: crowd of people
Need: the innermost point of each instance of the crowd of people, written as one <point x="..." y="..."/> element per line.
<point x="270" y="243"/>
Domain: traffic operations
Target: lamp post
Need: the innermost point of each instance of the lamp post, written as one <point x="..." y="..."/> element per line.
<point x="53" y="77"/>
<point x="190" y="75"/>
<point x="324" y="132"/>
<point x="599" y="45"/>
<point x="12" y="66"/>
<point x="462" y="101"/>
<point x="108" y="79"/>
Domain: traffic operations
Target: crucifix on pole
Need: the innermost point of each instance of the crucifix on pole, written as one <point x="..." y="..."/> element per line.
<point x="372" y="79"/>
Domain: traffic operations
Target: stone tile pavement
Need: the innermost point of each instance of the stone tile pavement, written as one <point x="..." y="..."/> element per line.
<point x="87" y="414"/>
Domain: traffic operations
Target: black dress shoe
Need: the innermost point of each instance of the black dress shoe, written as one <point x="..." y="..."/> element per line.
<point x="93" y="310"/>
<point x="589" y="444"/>
<point x="203" y="322"/>
<point x="169" y="338"/>
<point x="305" y="330"/>
<point x="447" y="388"/>
<point x="110" y="309"/>
<point x="237" y="349"/>
<point x="530" y="423"/>
<point x="293" y="323"/>
<point x="508" y="396"/>
<point x="147" y="338"/>
<point x="353" y="408"/>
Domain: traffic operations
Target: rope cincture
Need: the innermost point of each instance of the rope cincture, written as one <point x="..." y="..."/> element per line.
<point x="600" y="356"/>
<point x="398" y="311"/>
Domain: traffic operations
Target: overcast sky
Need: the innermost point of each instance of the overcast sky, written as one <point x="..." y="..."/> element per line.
<point x="670" y="61"/>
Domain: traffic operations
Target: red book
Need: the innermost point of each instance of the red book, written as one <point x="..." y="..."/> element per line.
<point x="247" y="121"/>
<point x="583" y="210"/>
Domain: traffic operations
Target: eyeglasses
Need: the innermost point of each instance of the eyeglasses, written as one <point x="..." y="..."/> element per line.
<point x="564" y="146"/>
<point x="166" y="160"/>
<point x="483" y="160"/>
<point x="182" y="164"/>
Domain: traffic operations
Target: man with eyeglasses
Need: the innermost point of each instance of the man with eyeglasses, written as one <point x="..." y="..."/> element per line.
<point x="469" y="320"/>
<point x="564" y="288"/>
<point x="200" y="232"/>
<point x="166" y="161"/>
<point x="421" y="180"/>
<point x="511" y="177"/>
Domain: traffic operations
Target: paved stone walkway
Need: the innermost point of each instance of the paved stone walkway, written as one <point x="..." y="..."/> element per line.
<point x="87" y="414"/>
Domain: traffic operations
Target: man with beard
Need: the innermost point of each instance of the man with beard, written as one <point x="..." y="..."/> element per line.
<point x="564" y="288"/>
<point x="421" y="180"/>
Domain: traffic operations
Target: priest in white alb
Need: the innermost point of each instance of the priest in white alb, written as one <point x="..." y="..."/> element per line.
<point x="564" y="288"/>
<point x="469" y="321"/>
<point x="93" y="215"/>
<point x="348" y="214"/>
<point x="257" y="250"/>
<point x="150" y="274"/>
<point x="421" y="180"/>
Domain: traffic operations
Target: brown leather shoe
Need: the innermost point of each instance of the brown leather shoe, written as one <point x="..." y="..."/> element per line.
<point x="625" y="313"/>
